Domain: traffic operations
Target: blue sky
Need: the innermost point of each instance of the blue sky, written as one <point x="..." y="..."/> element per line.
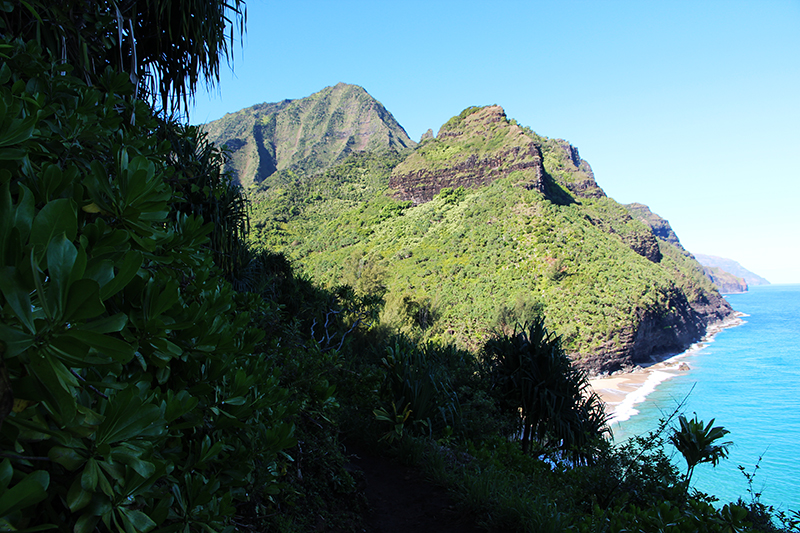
<point x="690" y="107"/>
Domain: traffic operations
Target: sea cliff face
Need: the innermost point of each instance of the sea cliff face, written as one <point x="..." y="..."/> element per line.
<point x="726" y="282"/>
<point x="656" y="334"/>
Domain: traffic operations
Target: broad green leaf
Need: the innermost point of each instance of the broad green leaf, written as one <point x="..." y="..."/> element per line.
<point x="15" y="341"/>
<point x="17" y="295"/>
<point x="114" y="469"/>
<point x="131" y="458"/>
<point x="166" y="348"/>
<point x="115" y="348"/>
<point x="102" y="271"/>
<point x="136" y="521"/>
<point x="179" y="404"/>
<point x="83" y="300"/>
<point x="61" y="255"/>
<point x="110" y="324"/>
<point x="6" y="472"/>
<point x="69" y="458"/>
<point x="237" y="400"/>
<point x="127" y="270"/>
<point x="159" y="298"/>
<point x="128" y="417"/>
<point x="77" y="497"/>
<point x="86" y="523"/>
<point x="56" y="217"/>
<point x="23" y="218"/>
<point x="11" y="154"/>
<point x="18" y="130"/>
<point x="31" y="490"/>
<point x="57" y="381"/>
<point x="90" y="475"/>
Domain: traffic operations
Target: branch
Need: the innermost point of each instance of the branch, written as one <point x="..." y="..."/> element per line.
<point x="89" y="386"/>
<point x="24" y="457"/>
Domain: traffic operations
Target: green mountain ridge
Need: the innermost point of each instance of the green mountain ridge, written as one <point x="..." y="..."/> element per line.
<point x="481" y="145"/>
<point x="306" y="135"/>
<point x="486" y="224"/>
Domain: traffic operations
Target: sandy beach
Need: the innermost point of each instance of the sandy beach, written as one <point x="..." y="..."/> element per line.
<point x="623" y="390"/>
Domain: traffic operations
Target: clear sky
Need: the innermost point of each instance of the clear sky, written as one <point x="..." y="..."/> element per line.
<point x="690" y="107"/>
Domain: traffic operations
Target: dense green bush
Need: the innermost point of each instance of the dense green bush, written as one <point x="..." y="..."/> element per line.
<point x="134" y="396"/>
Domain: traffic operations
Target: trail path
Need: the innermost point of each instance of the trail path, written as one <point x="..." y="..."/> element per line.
<point x="402" y="500"/>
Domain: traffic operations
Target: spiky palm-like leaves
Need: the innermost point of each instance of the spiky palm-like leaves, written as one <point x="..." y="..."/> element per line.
<point x="417" y="388"/>
<point x="698" y="444"/>
<point x="532" y="374"/>
<point x="203" y="189"/>
<point x="166" y="46"/>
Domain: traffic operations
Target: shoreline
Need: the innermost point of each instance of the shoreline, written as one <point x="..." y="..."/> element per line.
<point x="623" y="390"/>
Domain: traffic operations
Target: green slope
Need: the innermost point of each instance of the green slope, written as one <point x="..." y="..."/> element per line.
<point x="486" y="224"/>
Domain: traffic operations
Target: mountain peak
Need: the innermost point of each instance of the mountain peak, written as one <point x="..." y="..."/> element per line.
<point x="307" y="134"/>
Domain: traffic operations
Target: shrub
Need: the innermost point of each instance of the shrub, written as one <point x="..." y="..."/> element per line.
<point x="135" y="398"/>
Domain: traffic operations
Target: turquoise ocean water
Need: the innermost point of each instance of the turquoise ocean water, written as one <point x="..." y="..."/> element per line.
<point x="748" y="379"/>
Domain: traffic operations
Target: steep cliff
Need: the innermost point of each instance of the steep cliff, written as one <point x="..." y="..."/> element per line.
<point x="473" y="149"/>
<point x="726" y="282"/>
<point x="306" y="135"/>
<point x="660" y="226"/>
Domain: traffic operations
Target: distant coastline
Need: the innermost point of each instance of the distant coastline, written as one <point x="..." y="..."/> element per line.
<point x="623" y="390"/>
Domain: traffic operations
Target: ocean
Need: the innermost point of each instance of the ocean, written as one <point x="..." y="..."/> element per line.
<point x="747" y="378"/>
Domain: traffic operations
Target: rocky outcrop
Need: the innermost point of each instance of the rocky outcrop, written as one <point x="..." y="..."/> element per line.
<point x="474" y="149"/>
<point x="726" y="282"/>
<point x="660" y="226"/>
<point x="572" y="172"/>
<point x="306" y="135"/>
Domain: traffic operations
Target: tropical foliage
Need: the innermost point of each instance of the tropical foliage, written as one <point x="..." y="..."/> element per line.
<point x="158" y="375"/>
<point x="166" y="47"/>
<point x="129" y="376"/>
<point x="697" y="443"/>
<point x="557" y="408"/>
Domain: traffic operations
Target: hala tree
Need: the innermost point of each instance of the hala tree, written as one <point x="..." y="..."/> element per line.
<point x="532" y="374"/>
<point x="166" y="47"/>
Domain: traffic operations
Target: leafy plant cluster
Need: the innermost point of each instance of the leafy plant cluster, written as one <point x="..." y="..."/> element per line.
<point x="142" y="389"/>
<point x="130" y="380"/>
